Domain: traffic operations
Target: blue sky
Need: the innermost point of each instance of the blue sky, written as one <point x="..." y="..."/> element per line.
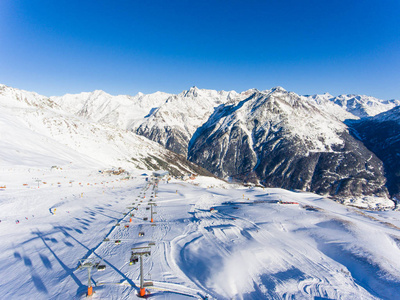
<point x="126" y="46"/>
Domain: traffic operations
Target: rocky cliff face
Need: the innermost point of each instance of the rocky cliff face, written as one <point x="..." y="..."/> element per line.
<point x="280" y="140"/>
<point x="381" y="134"/>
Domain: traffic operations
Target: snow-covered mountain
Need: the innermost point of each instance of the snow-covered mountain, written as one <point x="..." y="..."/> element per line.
<point x="171" y="120"/>
<point x="34" y="127"/>
<point x="175" y="121"/>
<point x="122" y="111"/>
<point x="364" y="106"/>
<point x="356" y="106"/>
<point x="278" y="139"/>
<point x="167" y="119"/>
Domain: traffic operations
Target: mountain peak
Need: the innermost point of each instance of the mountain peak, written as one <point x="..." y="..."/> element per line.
<point x="278" y="89"/>
<point x="192" y="92"/>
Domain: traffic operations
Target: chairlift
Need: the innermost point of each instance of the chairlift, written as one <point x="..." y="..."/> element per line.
<point x="101" y="267"/>
<point x="134" y="259"/>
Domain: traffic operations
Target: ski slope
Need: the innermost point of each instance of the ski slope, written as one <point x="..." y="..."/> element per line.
<point x="249" y="246"/>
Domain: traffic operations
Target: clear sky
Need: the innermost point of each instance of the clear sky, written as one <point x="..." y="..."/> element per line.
<point x="55" y="47"/>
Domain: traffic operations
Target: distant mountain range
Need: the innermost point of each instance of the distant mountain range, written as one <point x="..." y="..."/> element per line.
<point x="345" y="146"/>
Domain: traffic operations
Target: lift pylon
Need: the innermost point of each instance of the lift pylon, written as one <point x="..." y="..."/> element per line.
<point x="151" y="206"/>
<point x="141" y="251"/>
<point x="89" y="264"/>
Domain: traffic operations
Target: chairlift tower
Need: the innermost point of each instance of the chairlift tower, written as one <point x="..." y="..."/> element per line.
<point x="38" y="181"/>
<point x="142" y="251"/>
<point x="151" y="207"/>
<point x="89" y="264"/>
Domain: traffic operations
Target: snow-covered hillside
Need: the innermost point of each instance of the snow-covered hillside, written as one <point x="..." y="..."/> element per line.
<point x="122" y="111"/>
<point x="208" y="239"/>
<point x="34" y="125"/>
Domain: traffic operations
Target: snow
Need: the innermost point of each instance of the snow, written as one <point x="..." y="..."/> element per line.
<point x="319" y="129"/>
<point x="58" y="204"/>
<point x="352" y="106"/>
<point x="250" y="248"/>
<point x="121" y="110"/>
<point x="32" y="122"/>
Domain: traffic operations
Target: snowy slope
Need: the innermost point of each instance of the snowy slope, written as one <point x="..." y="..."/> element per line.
<point x="249" y="247"/>
<point x="21" y="146"/>
<point x="36" y="123"/>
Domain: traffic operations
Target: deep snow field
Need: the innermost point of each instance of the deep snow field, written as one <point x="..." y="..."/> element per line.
<point x="248" y="247"/>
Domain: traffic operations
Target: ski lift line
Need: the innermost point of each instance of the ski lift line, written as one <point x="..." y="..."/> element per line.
<point x="107" y="237"/>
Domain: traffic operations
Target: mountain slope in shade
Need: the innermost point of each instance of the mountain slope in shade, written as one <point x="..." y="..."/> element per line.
<point x="280" y="140"/>
<point x="381" y="134"/>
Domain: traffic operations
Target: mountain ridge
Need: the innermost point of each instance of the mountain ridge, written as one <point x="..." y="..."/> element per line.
<point x="274" y="137"/>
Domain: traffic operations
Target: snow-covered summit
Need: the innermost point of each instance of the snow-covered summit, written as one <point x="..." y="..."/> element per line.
<point x="360" y="106"/>
<point x="121" y="110"/>
<point x="12" y="97"/>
